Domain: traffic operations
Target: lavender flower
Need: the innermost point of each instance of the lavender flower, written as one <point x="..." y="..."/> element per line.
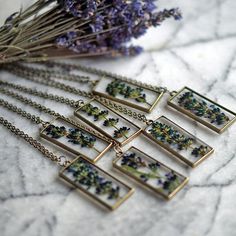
<point x="112" y="24"/>
<point x="84" y="27"/>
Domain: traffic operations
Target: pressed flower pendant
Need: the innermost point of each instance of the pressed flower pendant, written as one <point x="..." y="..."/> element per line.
<point x="96" y="183"/>
<point x="202" y="109"/>
<point x="150" y="173"/>
<point x="127" y="93"/>
<point x="108" y="122"/>
<point x="65" y="134"/>
<point x="179" y="142"/>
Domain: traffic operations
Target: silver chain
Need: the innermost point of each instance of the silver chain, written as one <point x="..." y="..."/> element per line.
<point x="61" y="160"/>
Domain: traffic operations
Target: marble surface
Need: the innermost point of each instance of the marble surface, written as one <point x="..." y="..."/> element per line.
<point x="200" y="52"/>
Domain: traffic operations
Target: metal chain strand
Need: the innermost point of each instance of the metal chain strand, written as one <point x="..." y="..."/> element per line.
<point x="124" y="110"/>
<point x="45" y="73"/>
<point x="67" y="88"/>
<point x="34" y="143"/>
<point x="29" y="102"/>
<point x="70" y="102"/>
<point x="104" y="73"/>
<point x="11" y="107"/>
<point x="50" y="112"/>
<point x="51" y="83"/>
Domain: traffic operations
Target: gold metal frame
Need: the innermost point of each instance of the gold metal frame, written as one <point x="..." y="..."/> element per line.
<point x="175" y="153"/>
<point x="67" y="148"/>
<point x="94" y="197"/>
<point x="167" y="197"/>
<point x="191" y="115"/>
<point x="127" y="103"/>
<point x="139" y="130"/>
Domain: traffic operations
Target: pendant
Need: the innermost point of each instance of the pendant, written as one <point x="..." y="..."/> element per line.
<point x="150" y="173"/>
<point x="178" y="141"/>
<point x="65" y="134"/>
<point x="128" y="93"/>
<point x="202" y="109"/>
<point x="96" y="183"/>
<point x="108" y="122"/>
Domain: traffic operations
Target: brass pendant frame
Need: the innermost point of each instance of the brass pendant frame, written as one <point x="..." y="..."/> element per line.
<point x="197" y="118"/>
<point x="126" y="101"/>
<point x="146" y="185"/>
<point x="175" y="153"/>
<point x="72" y="150"/>
<point x="92" y="124"/>
<point x="93" y="197"/>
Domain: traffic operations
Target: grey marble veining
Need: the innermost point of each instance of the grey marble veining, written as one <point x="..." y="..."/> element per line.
<point x="200" y="52"/>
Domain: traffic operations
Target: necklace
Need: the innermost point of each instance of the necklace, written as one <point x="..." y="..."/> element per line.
<point x="63" y="132"/>
<point x="187" y="101"/>
<point x="164" y="132"/>
<point x="81" y="174"/>
<point x="138" y="165"/>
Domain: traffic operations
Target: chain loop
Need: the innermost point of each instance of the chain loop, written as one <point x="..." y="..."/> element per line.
<point x="34" y="143"/>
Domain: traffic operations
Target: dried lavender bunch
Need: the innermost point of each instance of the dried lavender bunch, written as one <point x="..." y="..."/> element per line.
<point x="59" y="28"/>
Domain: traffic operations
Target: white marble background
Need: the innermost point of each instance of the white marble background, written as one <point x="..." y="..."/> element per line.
<point x="200" y="52"/>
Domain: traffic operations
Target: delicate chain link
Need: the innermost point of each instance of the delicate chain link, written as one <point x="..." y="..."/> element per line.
<point x="124" y="110"/>
<point x="46" y="73"/>
<point x="104" y="73"/>
<point x="61" y="160"/>
<point x="35" y="92"/>
<point x="67" y="88"/>
<point x="21" y="112"/>
<point x="50" y="112"/>
<point x="51" y="83"/>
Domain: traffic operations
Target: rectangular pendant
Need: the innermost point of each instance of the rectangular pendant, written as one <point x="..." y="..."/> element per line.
<point x="108" y="122"/>
<point x="202" y="109"/>
<point x="96" y="183"/>
<point x="127" y="93"/>
<point x="179" y="142"/>
<point x="150" y="173"/>
<point x="65" y="134"/>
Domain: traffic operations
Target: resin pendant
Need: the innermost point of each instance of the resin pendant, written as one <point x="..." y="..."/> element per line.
<point x="150" y="173"/>
<point x="178" y="141"/>
<point x="65" y="134"/>
<point x="96" y="183"/>
<point x="202" y="109"/>
<point x="107" y="122"/>
<point x="127" y="93"/>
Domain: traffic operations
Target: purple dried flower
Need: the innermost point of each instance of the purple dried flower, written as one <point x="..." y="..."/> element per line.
<point x="113" y="23"/>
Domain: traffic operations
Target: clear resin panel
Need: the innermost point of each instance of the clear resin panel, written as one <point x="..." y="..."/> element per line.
<point x="178" y="141"/>
<point x="150" y="172"/>
<point x="108" y="122"/>
<point x="67" y="135"/>
<point x="139" y="97"/>
<point x="202" y="109"/>
<point x="96" y="183"/>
